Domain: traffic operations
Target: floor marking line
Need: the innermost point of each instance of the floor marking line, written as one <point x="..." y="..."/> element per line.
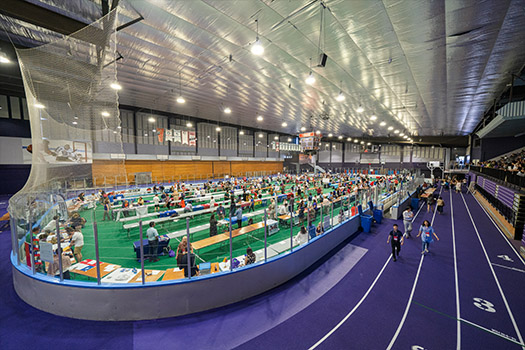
<point x="490" y="331"/>
<point x="456" y="279"/>
<point x="405" y="314"/>
<point x="361" y="300"/>
<point x="467" y="322"/>
<point x="507" y="267"/>
<point x="354" y="309"/>
<point x="499" y="229"/>
<point x="494" y="275"/>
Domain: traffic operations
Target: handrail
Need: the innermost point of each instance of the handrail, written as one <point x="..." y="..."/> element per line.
<point x="502" y="175"/>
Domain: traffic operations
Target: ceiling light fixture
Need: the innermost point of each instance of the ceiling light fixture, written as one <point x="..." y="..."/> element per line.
<point x="75" y="123"/>
<point x="382" y="123"/>
<point x="260" y="118"/>
<point x="261" y="135"/>
<point x="396" y="131"/>
<point x="390" y="128"/>
<point x="289" y="140"/>
<point x="189" y="125"/>
<point x="360" y="109"/>
<point x="349" y="139"/>
<point x="362" y="142"/>
<point x="241" y="132"/>
<point x="218" y="129"/>
<point x="356" y="141"/>
<point x="180" y="99"/>
<point x="373" y="117"/>
<point x="227" y="110"/>
<point x="330" y="135"/>
<point x="402" y="134"/>
<point x="368" y="144"/>
<point x="276" y="138"/>
<point x="284" y="125"/>
<point x="151" y="120"/>
<point x="105" y="114"/>
<point x="303" y="129"/>
<point x="318" y="132"/>
<point x="257" y="48"/>
<point x="340" y="137"/>
<point x="116" y="86"/>
<point x="310" y="80"/>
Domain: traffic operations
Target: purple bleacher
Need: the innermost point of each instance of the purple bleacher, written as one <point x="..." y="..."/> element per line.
<point x="506" y="196"/>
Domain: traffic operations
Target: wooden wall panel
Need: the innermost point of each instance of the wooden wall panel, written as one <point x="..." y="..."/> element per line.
<point x="221" y="168"/>
<point x="106" y="170"/>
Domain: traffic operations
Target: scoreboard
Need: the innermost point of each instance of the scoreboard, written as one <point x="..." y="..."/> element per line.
<point x="310" y="141"/>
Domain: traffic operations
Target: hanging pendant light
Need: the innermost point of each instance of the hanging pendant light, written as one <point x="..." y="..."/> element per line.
<point x="310" y="80"/>
<point x="180" y="99"/>
<point x="257" y="47"/>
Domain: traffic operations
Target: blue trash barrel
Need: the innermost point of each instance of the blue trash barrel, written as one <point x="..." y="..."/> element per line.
<point x="378" y="215"/>
<point x="366" y="223"/>
<point x="415" y="203"/>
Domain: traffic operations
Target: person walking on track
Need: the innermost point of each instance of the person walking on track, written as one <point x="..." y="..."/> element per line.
<point x="397" y="241"/>
<point x="408" y="217"/>
<point x="426" y="231"/>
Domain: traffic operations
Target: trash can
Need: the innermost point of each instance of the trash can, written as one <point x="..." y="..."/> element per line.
<point x="366" y="223"/>
<point x="378" y="215"/>
<point x="415" y="203"/>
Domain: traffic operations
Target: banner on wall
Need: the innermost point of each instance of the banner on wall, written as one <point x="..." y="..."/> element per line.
<point x="176" y="136"/>
<point x="184" y="137"/>
<point x="160" y="134"/>
<point x="169" y="135"/>
<point x="59" y="152"/>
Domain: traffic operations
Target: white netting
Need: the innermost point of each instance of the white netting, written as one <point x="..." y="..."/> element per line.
<point x="71" y="101"/>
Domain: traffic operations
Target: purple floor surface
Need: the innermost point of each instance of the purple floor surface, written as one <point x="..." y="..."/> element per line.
<point x="298" y="314"/>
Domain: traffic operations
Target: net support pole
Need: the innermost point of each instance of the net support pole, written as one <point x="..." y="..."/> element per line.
<point x="141" y="237"/>
<point x="265" y="235"/>
<point x="308" y="222"/>
<point x="188" y="248"/>
<point x="291" y="230"/>
<point x="231" y="243"/>
<point x="59" y="249"/>
<point x="30" y="227"/>
<point x="331" y="215"/>
<point x="95" y="234"/>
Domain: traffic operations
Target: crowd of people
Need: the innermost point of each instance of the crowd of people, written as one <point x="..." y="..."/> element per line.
<point x="304" y="196"/>
<point x="514" y="162"/>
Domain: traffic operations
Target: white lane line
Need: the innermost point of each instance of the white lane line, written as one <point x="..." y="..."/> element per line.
<point x="405" y="314"/>
<point x="394" y="338"/>
<point x="497" y="333"/>
<point x="360" y="301"/>
<point x="354" y="309"/>
<point x="510" y="268"/>
<point x="494" y="275"/>
<point x="501" y="232"/>
<point x="456" y="280"/>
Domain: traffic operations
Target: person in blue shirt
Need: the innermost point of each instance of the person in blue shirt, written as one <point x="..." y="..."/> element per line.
<point x="153" y="242"/>
<point x="238" y="213"/>
<point x="221" y="212"/>
<point x="426" y="231"/>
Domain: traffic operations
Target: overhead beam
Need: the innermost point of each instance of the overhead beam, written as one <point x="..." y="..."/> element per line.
<point x="40" y="16"/>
